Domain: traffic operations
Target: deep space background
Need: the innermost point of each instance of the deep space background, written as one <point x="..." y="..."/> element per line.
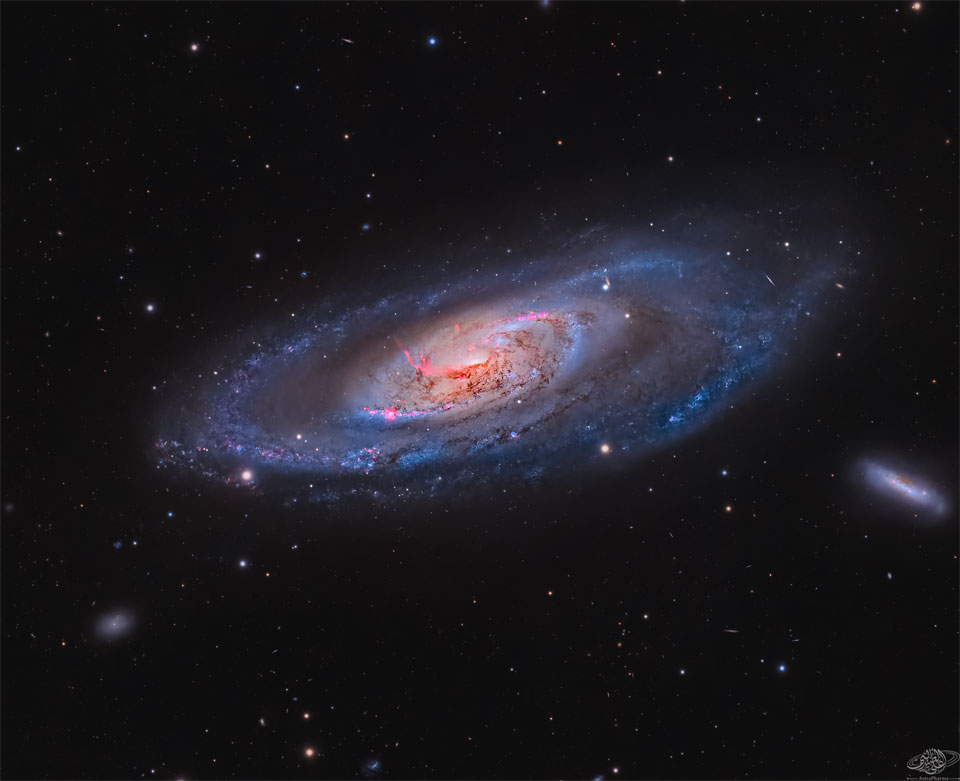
<point x="175" y="174"/>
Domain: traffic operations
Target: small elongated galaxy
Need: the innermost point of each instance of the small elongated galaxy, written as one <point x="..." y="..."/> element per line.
<point x="606" y="345"/>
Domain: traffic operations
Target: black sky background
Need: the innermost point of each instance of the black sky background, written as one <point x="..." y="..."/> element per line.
<point x="504" y="635"/>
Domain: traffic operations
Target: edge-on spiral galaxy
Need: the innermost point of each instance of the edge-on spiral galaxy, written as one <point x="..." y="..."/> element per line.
<point x="605" y="344"/>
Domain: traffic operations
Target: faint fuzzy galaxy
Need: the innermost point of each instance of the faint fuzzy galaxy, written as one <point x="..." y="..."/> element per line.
<point x="595" y="345"/>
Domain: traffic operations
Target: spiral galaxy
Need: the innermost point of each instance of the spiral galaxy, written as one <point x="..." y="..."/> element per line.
<point x="608" y="344"/>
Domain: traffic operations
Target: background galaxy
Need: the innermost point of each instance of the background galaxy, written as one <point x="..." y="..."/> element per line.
<point x="524" y="390"/>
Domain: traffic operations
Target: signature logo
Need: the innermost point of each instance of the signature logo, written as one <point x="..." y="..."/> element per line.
<point x="932" y="761"/>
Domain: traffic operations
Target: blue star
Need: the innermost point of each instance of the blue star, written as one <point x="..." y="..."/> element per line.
<point x="431" y="41"/>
